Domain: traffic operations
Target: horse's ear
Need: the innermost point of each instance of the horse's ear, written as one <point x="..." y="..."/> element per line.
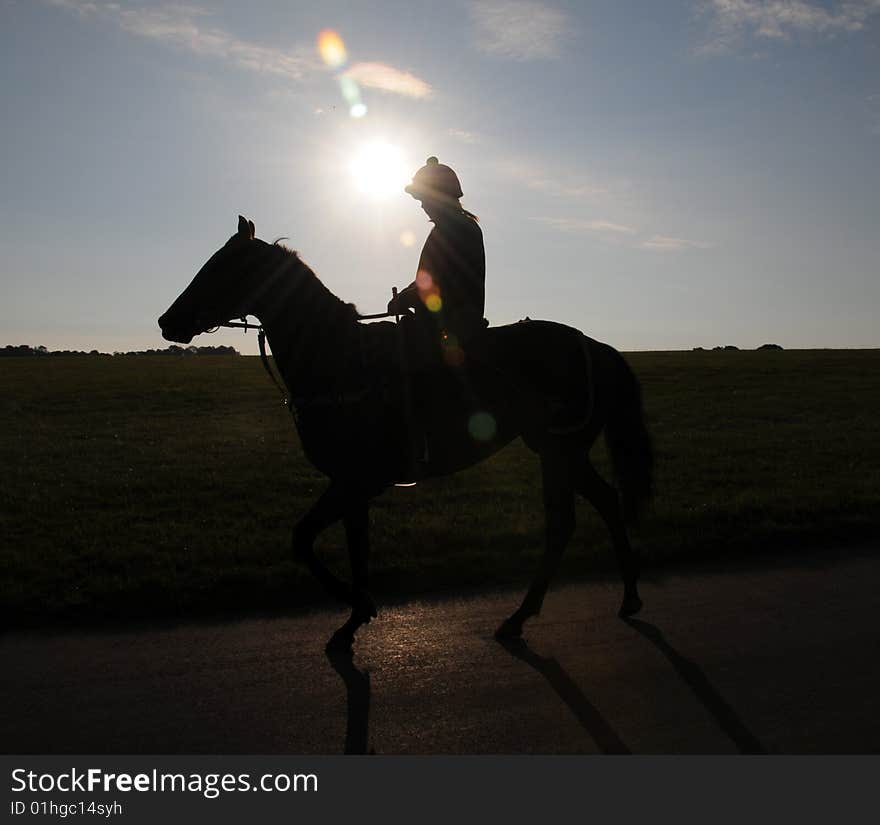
<point x="246" y="228"/>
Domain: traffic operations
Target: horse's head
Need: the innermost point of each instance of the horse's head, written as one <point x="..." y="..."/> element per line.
<point x="226" y="287"/>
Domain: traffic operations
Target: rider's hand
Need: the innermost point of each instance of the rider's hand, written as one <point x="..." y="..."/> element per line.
<point x="406" y="298"/>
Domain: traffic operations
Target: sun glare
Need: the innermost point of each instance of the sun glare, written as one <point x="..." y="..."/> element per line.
<point x="378" y="170"/>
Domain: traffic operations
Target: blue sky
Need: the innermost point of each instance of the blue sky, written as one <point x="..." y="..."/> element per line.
<point x="659" y="175"/>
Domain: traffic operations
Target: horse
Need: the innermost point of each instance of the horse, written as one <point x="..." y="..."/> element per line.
<point x="356" y="408"/>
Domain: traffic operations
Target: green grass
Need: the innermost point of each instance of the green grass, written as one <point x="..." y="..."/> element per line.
<point x="166" y="486"/>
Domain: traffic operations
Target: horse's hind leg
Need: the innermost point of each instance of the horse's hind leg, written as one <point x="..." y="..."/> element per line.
<point x="559" y="526"/>
<point x="604" y="498"/>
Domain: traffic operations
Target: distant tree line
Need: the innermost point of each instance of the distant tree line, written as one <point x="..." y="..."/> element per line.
<point x="24" y="349"/>
<point x="730" y="347"/>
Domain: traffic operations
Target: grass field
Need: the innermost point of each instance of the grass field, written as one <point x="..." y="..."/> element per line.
<point x="167" y="486"/>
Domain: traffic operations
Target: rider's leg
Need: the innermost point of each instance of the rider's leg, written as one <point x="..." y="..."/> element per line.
<point x="419" y="356"/>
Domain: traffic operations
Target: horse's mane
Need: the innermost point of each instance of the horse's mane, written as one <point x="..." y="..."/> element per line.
<point x="315" y="292"/>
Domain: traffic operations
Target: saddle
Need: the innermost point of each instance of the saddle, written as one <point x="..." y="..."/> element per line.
<point x="529" y="364"/>
<point x="532" y="376"/>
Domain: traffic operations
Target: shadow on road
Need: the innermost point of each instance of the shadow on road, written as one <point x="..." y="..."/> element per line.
<point x="696" y="680"/>
<point x="603" y="734"/>
<point x="357" y="700"/>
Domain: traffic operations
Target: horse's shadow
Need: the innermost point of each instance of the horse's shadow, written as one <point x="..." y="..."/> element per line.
<point x="357" y="691"/>
<point x="603" y="734"/>
<point x="693" y="676"/>
<point x="605" y="737"/>
<point x="357" y="700"/>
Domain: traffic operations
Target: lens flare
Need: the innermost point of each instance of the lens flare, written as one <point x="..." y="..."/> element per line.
<point x="407" y="238"/>
<point x="453" y="354"/>
<point x="350" y="90"/>
<point x="434" y="303"/>
<point x="332" y="49"/>
<point x="482" y="426"/>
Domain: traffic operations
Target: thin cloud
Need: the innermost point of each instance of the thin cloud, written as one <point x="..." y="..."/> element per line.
<point x="664" y="243"/>
<point x="463" y="135"/>
<point x="186" y="27"/>
<point x="619" y="233"/>
<point x="537" y="179"/>
<point x="79" y="6"/>
<point x="568" y="190"/>
<point x="581" y="225"/>
<point x="732" y="22"/>
<point x="388" y="79"/>
<point x="518" y="29"/>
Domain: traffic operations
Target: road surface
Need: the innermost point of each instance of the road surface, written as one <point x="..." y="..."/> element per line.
<point x="779" y="659"/>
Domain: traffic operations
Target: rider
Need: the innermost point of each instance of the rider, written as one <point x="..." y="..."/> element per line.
<point x="448" y="294"/>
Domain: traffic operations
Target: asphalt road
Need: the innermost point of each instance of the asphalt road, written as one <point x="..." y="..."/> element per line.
<point x="782" y="659"/>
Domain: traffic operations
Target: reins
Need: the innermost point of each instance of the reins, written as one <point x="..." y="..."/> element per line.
<point x="264" y="358"/>
<point x="261" y="342"/>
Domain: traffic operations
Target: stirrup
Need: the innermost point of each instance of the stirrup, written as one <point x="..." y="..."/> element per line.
<point x="413" y="475"/>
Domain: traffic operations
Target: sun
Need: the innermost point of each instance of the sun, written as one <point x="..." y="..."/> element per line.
<point x="378" y="170"/>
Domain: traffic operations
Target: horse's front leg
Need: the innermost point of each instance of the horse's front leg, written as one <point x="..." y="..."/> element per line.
<point x="357" y="533"/>
<point x="327" y="510"/>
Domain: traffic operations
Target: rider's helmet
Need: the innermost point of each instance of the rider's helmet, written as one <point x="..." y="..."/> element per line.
<point x="434" y="181"/>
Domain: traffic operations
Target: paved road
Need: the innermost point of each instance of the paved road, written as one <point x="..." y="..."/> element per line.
<point x="778" y="659"/>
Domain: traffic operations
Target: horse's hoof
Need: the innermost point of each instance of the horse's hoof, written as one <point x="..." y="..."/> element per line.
<point x="339" y="643"/>
<point x="509" y="629"/>
<point x="364" y="607"/>
<point x="630" y="606"/>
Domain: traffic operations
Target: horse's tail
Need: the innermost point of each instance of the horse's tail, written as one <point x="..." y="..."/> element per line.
<point x="628" y="440"/>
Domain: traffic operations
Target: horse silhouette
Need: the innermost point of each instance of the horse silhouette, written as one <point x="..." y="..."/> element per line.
<point x="353" y="407"/>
